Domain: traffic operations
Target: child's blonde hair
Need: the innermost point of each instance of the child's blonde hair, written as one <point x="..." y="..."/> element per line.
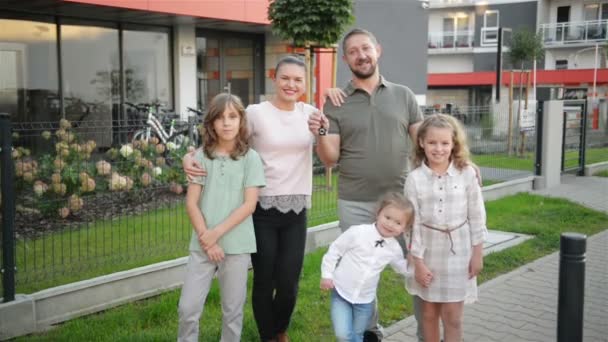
<point x="398" y="201"/>
<point x="460" y="151"/>
<point x="220" y="103"/>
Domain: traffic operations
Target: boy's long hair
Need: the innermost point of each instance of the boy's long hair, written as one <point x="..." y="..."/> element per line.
<point x="398" y="201"/>
<point x="218" y="105"/>
<point x="460" y="152"/>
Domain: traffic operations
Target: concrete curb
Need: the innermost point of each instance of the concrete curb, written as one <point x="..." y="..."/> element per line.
<point x="593" y="168"/>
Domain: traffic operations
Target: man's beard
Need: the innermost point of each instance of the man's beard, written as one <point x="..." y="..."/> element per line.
<point x="364" y="76"/>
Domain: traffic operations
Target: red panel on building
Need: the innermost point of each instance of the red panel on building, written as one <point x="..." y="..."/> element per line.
<point x="251" y="11"/>
<point x="545" y="77"/>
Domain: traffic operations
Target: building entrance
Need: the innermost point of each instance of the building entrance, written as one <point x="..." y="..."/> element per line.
<point x="228" y="62"/>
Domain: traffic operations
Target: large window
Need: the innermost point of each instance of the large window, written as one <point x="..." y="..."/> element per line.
<point x="456" y="31"/>
<point x="489" y="32"/>
<point x="89" y="55"/>
<point x="147" y="67"/>
<point x="88" y="71"/>
<point x="595" y="15"/>
<point x="28" y="70"/>
<point x="490" y="18"/>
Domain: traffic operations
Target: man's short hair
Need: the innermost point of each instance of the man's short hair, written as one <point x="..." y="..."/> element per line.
<point x="357" y="31"/>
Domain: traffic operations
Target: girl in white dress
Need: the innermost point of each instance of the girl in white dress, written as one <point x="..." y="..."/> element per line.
<point x="449" y="229"/>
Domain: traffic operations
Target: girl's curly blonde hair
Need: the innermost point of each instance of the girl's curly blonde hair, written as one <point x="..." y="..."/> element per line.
<point x="460" y="152"/>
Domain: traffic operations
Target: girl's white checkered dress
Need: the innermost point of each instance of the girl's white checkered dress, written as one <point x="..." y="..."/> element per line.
<point x="446" y="201"/>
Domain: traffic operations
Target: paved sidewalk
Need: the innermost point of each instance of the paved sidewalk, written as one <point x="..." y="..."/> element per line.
<point x="522" y="305"/>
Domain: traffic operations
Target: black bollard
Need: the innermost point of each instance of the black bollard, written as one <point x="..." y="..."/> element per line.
<point x="571" y="297"/>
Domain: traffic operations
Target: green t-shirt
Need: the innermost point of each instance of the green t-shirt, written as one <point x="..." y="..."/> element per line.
<point x="375" y="143"/>
<point x="223" y="192"/>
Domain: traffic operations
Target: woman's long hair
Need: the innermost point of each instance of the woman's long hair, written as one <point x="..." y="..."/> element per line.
<point x="220" y="103"/>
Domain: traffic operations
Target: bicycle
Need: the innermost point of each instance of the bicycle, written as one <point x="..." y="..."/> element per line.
<point x="194" y="122"/>
<point x="164" y="126"/>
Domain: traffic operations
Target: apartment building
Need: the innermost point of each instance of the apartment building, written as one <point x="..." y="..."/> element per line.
<point x="462" y="48"/>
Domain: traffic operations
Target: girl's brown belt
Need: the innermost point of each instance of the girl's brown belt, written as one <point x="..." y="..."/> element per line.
<point x="446" y="230"/>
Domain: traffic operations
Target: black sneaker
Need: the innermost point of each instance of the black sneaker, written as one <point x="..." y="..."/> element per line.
<point x="369" y="336"/>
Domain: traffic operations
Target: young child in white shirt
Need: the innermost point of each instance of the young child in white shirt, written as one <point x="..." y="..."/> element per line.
<point x="351" y="267"/>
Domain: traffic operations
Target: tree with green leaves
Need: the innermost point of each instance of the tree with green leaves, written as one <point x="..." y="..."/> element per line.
<point x="526" y="46"/>
<point x="310" y="24"/>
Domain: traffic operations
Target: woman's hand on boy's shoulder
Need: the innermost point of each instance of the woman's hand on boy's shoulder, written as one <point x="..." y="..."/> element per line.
<point x="326" y="284"/>
<point x="191" y="167"/>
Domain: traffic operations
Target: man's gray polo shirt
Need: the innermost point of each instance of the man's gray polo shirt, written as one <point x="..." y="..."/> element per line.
<point x="374" y="139"/>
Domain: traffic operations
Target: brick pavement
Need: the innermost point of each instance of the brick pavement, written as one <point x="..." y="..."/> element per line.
<point x="522" y="305"/>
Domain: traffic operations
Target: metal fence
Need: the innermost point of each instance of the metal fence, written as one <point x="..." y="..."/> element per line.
<point x="499" y="146"/>
<point x="88" y="204"/>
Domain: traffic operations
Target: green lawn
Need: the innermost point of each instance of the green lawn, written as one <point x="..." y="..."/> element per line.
<point x="504" y="161"/>
<point x="596" y="155"/>
<point x="526" y="163"/>
<point x="156" y="318"/>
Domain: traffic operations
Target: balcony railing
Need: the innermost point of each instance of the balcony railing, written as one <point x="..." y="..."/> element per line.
<point x="574" y="32"/>
<point x="451" y="40"/>
<point x="450" y="3"/>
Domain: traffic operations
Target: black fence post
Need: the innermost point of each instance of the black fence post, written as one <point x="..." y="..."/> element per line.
<point x="571" y="296"/>
<point x="8" y="208"/>
<point x="539" y="138"/>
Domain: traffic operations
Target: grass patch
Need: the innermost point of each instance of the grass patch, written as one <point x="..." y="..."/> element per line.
<point x="488" y="182"/>
<point x="526" y="162"/>
<point x="504" y="161"/>
<point x="156" y="318"/>
<point x="601" y="173"/>
<point x="596" y="155"/>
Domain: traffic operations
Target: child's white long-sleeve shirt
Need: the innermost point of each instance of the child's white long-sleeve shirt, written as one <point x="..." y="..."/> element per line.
<point x="362" y="254"/>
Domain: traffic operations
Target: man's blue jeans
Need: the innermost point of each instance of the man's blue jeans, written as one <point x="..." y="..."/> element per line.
<point x="349" y="320"/>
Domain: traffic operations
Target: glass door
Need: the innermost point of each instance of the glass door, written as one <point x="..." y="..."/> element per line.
<point x="208" y="70"/>
<point x="228" y="63"/>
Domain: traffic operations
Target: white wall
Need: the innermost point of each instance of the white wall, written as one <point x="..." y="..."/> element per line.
<point x="450" y="63"/>
<point x="578" y="58"/>
<point x="184" y="68"/>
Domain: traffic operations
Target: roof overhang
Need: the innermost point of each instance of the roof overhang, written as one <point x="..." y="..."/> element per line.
<point x="242" y="15"/>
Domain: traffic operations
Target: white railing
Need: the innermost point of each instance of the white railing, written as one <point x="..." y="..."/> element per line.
<point x="449" y="3"/>
<point x="489" y="36"/>
<point x="451" y="40"/>
<point x="574" y="32"/>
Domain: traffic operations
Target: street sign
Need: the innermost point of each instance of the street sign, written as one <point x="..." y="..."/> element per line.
<point x="527" y="121"/>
